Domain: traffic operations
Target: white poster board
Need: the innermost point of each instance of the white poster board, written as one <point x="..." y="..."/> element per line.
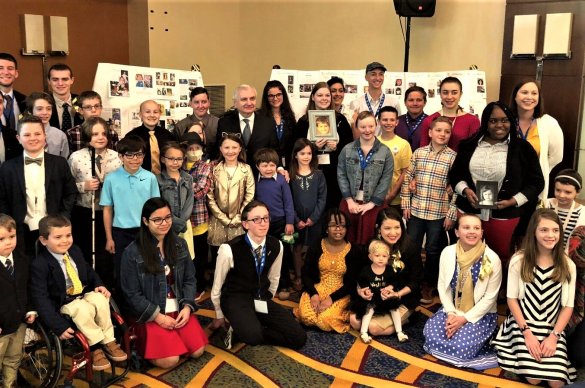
<point x="300" y="82"/>
<point x="123" y="88"/>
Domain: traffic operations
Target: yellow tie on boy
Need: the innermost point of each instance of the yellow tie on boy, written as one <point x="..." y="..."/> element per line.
<point x="77" y="287"/>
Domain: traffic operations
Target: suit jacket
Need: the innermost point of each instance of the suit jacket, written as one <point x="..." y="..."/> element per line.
<point x="14" y="304"/>
<point x="162" y="135"/>
<point x="263" y="134"/>
<point x="60" y="188"/>
<point x="48" y="286"/>
<point x="20" y="100"/>
<point x="76" y="118"/>
<point x="12" y="147"/>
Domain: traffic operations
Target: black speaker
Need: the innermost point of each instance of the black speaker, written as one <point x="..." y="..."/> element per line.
<point x="415" y="8"/>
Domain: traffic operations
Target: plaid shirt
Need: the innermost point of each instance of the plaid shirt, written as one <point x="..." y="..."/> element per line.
<point x="430" y="169"/>
<point x="74" y="137"/>
<point x="202" y="176"/>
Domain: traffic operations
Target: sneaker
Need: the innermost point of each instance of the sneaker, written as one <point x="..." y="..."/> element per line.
<point x="402" y="337"/>
<point x="227" y="341"/>
<point x="365" y="337"/>
<point x="99" y="360"/>
<point x="199" y="296"/>
<point x="284" y="294"/>
<point x="114" y="353"/>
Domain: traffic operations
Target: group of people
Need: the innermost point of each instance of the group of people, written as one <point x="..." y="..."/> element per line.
<point x="279" y="213"/>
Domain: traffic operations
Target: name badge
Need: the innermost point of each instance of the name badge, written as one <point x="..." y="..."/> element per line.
<point x="261" y="306"/>
<point x="359" y="195"/>
<point x="323" y="159"/>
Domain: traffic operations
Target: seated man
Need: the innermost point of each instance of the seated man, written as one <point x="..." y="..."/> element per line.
<point x="62" y="282"/>
<point x="244" y="285"/>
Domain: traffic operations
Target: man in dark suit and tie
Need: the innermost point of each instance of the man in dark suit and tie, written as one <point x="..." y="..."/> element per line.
<point x="35" y="184"/>
<point x="14" y="103"/>
<point x="257" y="131"/>
<point x="61" y="78"/>
<point x="9" y="145"/>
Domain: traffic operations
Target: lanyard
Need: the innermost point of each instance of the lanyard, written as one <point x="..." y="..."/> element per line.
<point x="259" y="263"/>
<point x="379" y="106"/>
<point x="412" y="128"/>
<point x="365" y="161"/>
<point x="520" y="134"/>
<point x="280" y="130"/>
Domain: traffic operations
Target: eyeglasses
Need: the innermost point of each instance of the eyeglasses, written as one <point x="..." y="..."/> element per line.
<point x="134" y="155"/>
<point x="174" y="160"/>
<point x="503" y="120"/>
<point x="273" y="96"/>
<point x="337" y="226"/>
<point x="258" y="220"/>
<point x="159" y="220"/>
<point x="91" y="107"/>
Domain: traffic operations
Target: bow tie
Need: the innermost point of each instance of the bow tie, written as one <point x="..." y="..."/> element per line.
<point x="28" y="160"/>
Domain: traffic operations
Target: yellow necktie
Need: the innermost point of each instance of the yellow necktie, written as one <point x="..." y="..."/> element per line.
<point x="72" y="273"/>
<point x="154" y="154"/>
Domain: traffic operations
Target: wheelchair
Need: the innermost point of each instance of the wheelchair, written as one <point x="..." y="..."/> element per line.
<point x="45" y="354"/>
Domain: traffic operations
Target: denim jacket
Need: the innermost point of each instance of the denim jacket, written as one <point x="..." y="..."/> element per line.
<point x="179" y="196"/>
<point x="146" y="293"/>
<point x="377" y="175"/>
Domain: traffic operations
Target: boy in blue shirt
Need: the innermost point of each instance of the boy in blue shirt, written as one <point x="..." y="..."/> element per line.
<point x="274" y="191"/>
<point x="124" y="193"/>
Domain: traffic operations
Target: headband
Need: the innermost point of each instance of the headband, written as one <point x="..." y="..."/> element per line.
<point x="569" y="177"/>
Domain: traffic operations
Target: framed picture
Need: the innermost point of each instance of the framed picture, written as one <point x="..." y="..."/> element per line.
<point x="487" y="194"/>
<point x="322" y="125"/>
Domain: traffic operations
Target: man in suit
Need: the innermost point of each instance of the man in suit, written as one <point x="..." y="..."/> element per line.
<point x="35" y="184"/>
<point x="9" y="145"/>
<point x="64" y="115"/>
<point x="257" y="131"/>
<point x="14" y="103"/>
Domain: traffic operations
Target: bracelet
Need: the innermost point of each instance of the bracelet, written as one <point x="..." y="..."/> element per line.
<point x="556" y="333"/>
<point x="524" y="328"/>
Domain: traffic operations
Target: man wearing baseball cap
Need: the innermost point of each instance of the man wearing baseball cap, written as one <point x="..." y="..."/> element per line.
<point x="374" y="99"/>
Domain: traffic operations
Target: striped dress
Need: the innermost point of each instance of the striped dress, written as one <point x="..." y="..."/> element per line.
<point x="540" y="306"/>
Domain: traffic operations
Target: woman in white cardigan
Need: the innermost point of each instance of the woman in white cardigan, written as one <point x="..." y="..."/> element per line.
<point x="542" y="131"/>
<point x="470" y="275"/>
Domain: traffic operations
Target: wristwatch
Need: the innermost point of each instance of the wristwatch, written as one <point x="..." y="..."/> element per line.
<point x="524" y="328"/>
<point x="557" y="334"/>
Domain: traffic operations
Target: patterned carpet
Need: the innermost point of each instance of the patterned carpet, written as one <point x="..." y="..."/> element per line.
<point x="327" y="360"/>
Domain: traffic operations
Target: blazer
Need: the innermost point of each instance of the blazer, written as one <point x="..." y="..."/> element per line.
<point x="14" y="291"/>
<point x="12" y="147"/>
<point x="485" y="292"/>
<point x="523" y="174"/>
<point x="20" y="100"/>
<point x="47" y="286"/>
<point x="76" y="118"/>
<point x="60" y="188"/>
<point x="263" y="134"/>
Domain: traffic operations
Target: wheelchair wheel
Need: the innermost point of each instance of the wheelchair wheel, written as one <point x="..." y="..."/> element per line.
<point x="42" y="358"/>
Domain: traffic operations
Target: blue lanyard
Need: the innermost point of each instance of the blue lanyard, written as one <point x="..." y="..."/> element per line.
<point x="280" y="130"/>
<point x="520" y="134"/>
<point x="259" y="265"/>
<point x="365" y="161"/>
<point x="412" y="128"/>
<point x="379" y="106"/>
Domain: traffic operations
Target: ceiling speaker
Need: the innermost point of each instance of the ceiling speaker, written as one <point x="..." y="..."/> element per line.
<point x="415" y="8"/>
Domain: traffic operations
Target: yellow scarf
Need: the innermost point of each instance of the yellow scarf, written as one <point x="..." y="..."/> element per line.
<point x="464" y="300"/>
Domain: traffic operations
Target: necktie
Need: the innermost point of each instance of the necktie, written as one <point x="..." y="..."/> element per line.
<point x="247" y="132"/>
<point x="77" y="287"/>
<point x="66" y="118"/>
<point x="154" y="154"/>
<point x="9" y="111"/>
<point x="258" y="254"/>
<point x="9" y="267"/>
<point x="28" y="160"/>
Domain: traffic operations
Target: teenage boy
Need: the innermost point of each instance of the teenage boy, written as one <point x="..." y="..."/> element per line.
<point x="400" y="151"/>
<point x="245" y="281"/>
<point x="10" y="148"/>
<point x="61" y="78"/>
<point x="374" y="99"/>
<point x="409" y="124"/>
<point x="153" y="135"/>
<point x="13" y="100"/>
<point x="35" y="184"/>
<point x="90" y="104"/>
<point x="428" y="209"/>
<point x="15" y="305"/>
<point x="273" y="189"/>
<point x="124" y="193"/>
<point x="62" y="282"/>
<point x="199" y="101"/>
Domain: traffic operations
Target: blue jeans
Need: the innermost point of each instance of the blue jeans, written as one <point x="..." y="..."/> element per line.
<point x="436" y="241"/>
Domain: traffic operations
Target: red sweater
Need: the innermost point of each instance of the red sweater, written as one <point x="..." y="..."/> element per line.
<point x="465" y="126"/>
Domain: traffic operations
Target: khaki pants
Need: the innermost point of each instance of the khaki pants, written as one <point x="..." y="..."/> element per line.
<point x="91" y="315"/>
<point x="11" y="354"/>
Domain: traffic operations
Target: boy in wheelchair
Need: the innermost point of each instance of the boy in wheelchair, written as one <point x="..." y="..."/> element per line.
<point x="14" y="311"/>
<point x="62" y="283"/>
